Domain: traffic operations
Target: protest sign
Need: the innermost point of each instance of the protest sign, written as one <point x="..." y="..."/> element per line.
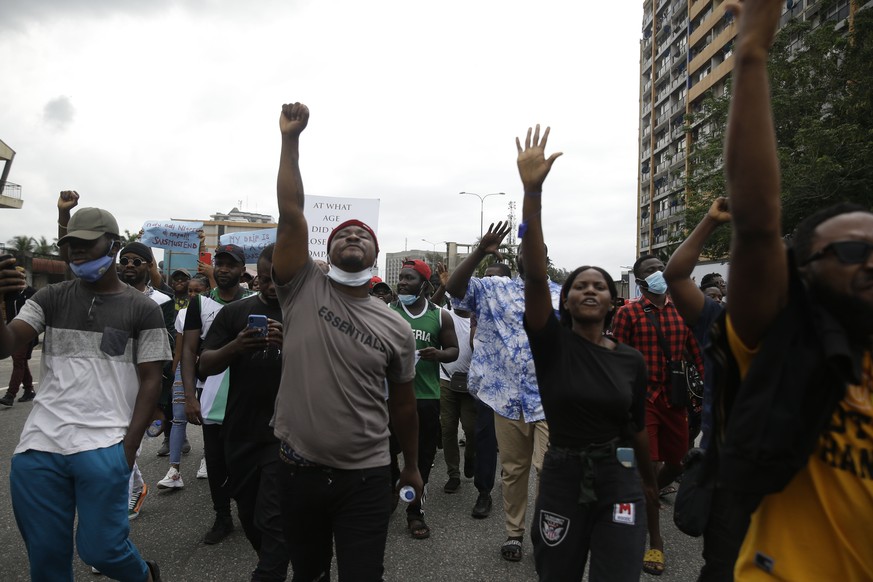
<point x="172" y="235"/>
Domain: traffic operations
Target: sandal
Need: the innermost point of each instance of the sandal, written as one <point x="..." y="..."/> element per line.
<point x="417" y="528"/>
<point x="511" y="549"/>
<point x="653" y="562"/>
<point x="668" y="490"/>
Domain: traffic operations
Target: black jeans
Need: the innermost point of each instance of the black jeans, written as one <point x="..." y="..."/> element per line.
<point x="723" y="536"/>
<point x="428" y="437"/>
<point x="612" y="529"/>
<point x="216" y="468"/>
<point x="260" y="512"/>
<point x="485" y="441"/>
<point x="321" y="506"/>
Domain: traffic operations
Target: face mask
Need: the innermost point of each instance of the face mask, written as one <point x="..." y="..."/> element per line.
<point x="349" y="279"/>
<point x="93" y="270"/>
<point x="407" y="299"/>
<point x="656" y="283"/>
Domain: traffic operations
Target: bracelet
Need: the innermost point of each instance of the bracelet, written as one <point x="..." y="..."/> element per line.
<point x="534" y="194"/>
<point x="64" y="226"/>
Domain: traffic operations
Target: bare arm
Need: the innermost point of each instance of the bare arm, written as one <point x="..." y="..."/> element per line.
<point x="489" y="245"/>
<point x="404" y="421"/>
<point x="448" y="342"/>
<point x="190" y="343"/>
<point x="292" y="244"/>
<point x="67" y="200"/>
<point x="533" y="167"/>
<point x="646" y="467"/>
<point x="758" y="280"/>
<point x="687" y="297"/>
<point x="144" y="408"/>
<point x="440" y="292"/>
<point x="16" y="333"/>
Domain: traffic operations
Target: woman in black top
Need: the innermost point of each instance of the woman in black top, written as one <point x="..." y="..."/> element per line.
<point x="593" y="392"/>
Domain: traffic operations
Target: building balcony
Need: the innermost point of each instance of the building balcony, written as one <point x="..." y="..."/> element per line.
<point x="10" y="197"/>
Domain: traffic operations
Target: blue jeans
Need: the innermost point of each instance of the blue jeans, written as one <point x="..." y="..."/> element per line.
<point x="180" y="421"/>
<point x="48" y="489"/>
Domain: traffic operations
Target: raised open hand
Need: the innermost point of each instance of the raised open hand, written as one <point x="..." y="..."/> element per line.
<point x="443" y="273"/>
<point x="490" y="243"/>
<point x="293" y="119"/>
<point x="719" y="210"/>
<point x="533" y="167"/>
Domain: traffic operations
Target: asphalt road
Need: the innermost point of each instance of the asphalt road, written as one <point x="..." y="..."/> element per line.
<point x="171" y="527"/>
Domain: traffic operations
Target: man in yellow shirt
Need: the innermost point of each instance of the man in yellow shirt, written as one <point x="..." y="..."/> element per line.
<point x="814" y="522"/>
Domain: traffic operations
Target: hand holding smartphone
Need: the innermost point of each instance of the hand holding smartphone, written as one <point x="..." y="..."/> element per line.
<point x="259" y="322"/>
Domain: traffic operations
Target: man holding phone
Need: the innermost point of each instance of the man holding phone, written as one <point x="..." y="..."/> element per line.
<point x="246" y="339"/>
<point x="21" y="375"/>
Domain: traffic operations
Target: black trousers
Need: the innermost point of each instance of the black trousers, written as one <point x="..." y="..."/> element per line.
<point x="257" y="497"/>
<point x="723" y="536"/>
<point x="429" y="435"/>
<point x="612" y="529"/>
<point x="216" y="467"/>
<point x="321" y="506"/>
<point x="485" y="441"/>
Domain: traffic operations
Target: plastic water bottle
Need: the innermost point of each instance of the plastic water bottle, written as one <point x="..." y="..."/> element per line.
<point x="154" y="428"/>
<point x="407" y="494"/>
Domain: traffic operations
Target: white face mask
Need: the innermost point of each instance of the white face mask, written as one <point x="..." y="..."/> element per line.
<point x="350" y="279"/>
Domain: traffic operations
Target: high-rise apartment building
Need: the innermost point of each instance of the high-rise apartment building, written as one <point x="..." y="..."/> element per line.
<point x="687" y="52"/>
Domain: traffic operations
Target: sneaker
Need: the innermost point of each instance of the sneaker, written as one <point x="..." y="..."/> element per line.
<point x="186" y="447"/>
<point x="220" y="529"/>
<point x="482" y="509"/>
<point x="27" y="396"/>
<point x="164" y="451"/>
<point x="154" y="570"/>
<point x="7" y="400"/>
<point x="136" y="500"/>
<point x="452" y="485"/>
<point x="201" y="472"/>
<point x="173" y="480"/>
<point x="96" y="571"/>
<point x="469" y="469"/>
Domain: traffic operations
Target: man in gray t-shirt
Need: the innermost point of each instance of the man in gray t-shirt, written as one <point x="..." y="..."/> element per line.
<point x="340" y="346"/>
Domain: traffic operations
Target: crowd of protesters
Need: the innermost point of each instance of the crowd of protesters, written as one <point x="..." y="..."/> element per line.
<point x="323" y="392"/>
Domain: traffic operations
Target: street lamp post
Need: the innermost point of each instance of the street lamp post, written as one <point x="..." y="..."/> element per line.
<point x="433" y="246"/>
<point x="482" y="198"/>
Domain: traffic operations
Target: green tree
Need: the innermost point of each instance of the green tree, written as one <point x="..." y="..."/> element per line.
<point x="22" y="244"/>
<point x="823" y="112"/>
<point x="44" y="247"/>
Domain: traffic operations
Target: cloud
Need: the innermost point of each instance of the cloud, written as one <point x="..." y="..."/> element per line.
<point x="59" y="112"/>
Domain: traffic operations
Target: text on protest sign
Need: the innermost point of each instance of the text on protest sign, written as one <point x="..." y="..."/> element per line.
<point x="172" y="235"/>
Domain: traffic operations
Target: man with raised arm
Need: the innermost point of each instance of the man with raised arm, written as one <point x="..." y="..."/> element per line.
<point x="502" y="375"/>
<point x="339" y="348"/>
<point x="105" y="344"/>
<point x="799" y="438"/>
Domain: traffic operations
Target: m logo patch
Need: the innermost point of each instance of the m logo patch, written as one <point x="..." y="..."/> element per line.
<point x="624" y="513"/>
<point x="553" y="527"/>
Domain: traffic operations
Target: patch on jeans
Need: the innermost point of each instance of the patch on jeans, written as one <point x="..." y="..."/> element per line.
<point x="624" y="513"/>
<point x="553" y="527"/>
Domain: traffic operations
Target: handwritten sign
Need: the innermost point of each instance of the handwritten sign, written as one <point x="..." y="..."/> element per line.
<point x="252" y="242"/>
<point x="172" y="235"/>
<point x="323" y="214"/>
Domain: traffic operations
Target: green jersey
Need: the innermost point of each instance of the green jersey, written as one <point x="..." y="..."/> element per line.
<point x="426" y="330"/>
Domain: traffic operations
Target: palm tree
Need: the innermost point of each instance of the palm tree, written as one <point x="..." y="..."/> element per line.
<point x="22" y="244"/>
<point x="44" y="247"/>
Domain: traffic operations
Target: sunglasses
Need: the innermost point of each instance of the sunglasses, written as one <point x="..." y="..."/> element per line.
<point x="124" y="261"/>
<point x="848" y="252"/>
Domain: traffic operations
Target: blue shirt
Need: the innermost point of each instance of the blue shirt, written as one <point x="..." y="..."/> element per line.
<point x="710" y="312"/>
<point x="502" y="373"/>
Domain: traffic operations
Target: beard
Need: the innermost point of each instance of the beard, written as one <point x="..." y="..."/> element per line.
<point x="853" y="313"/>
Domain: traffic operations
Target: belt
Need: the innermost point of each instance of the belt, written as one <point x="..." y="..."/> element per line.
<point x="588" y="456"/>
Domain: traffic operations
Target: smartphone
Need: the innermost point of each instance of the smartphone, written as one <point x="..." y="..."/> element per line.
<point x="206" y="258"/>
<point x="626" y="457"/>
<point x="259" y="322"/>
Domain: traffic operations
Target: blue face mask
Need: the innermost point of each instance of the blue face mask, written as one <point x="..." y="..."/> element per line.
<point x="407" y="299"/>
<point x="91" y="271"/>
<point x="656" y="283"/>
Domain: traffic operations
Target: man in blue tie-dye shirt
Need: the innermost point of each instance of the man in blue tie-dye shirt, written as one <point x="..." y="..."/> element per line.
<point x="502" y="375"/>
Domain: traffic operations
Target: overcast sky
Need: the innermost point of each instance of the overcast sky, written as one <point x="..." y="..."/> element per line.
<point x="170" y="109"/>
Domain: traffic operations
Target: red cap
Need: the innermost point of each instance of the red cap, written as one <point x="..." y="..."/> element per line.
<point x="352" y="222"/>
<point x="420" y="266"/>
<point x="375" y="279"/>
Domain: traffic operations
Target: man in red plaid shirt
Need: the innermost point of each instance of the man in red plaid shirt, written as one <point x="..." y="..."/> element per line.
<point x="667" y="426"/>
